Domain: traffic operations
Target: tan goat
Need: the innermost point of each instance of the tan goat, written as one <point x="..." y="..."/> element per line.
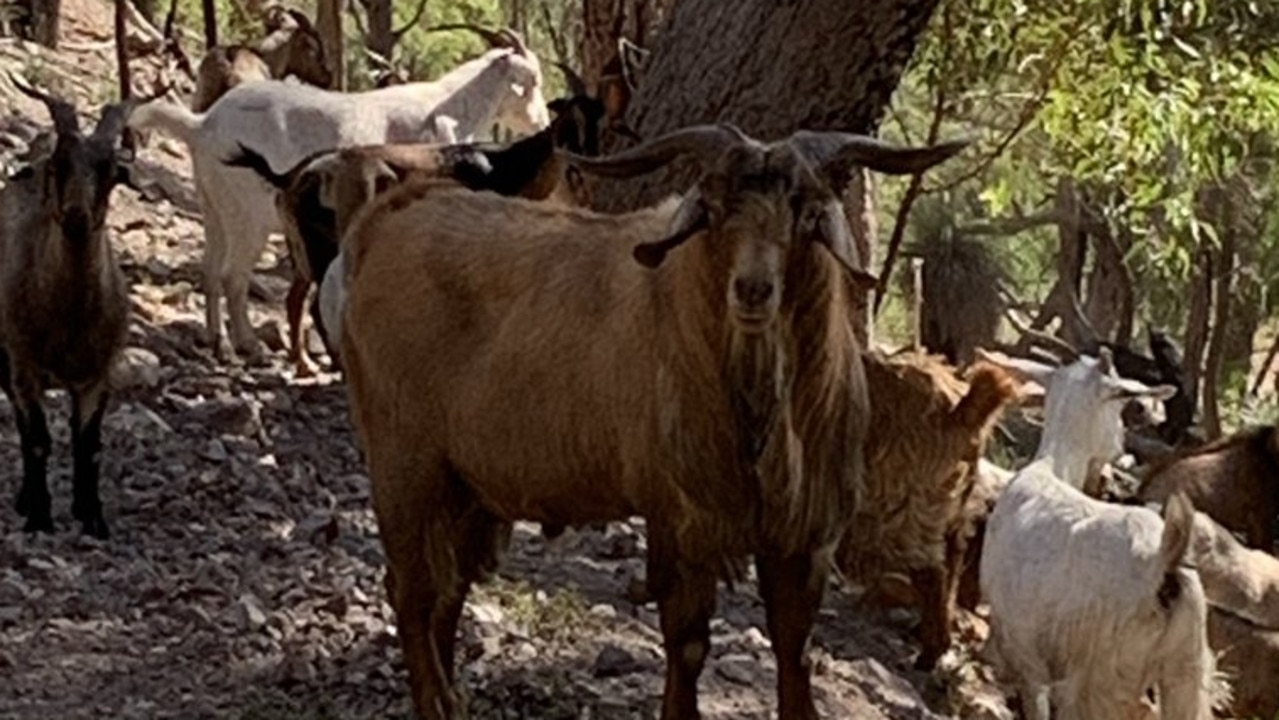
<point x="292" y="47"/>
<point x="693" y="363"/>
<point x="928" y="431"/>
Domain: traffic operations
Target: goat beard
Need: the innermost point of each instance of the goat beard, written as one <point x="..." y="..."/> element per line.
<point x="759" y="373"/>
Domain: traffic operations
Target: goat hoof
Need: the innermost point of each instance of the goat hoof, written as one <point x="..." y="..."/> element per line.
<point x="38" y="523"/>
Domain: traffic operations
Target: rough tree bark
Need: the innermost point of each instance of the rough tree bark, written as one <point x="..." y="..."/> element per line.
<point x="328" y="23"/>
<point x="1224" y="298"/>
<point x="605" y="21"/>
<point x="1063" y="299"/>
<point x="770" y="68"/>
<point x="45" y="16"/>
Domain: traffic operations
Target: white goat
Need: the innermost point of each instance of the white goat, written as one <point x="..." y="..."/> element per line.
<point x="287" y="122"/>
<point x="1089" y="604"/>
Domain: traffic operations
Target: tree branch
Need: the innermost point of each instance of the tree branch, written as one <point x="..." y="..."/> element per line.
<point x="417" y="17"/>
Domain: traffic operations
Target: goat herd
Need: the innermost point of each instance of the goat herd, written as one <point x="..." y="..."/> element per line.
<point x="513" y="355"/>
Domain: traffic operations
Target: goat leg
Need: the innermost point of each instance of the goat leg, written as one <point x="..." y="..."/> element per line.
<point x="792" y="589"/>
<point x="686" y="596"/>
<point x="934" y="616"/>
<point x="33" y="502"/>
<point x="294" y="303"/>
<point x="87" y="409"/>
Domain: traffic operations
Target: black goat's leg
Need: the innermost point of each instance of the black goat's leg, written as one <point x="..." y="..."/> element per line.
<point x="87" y="409"/>
<point x="33" y="502"/>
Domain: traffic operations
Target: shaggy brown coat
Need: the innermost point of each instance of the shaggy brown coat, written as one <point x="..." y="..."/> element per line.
<point x="1242" y="587"/>
<point x="554" y="379"/>
<point x="928" y="431"/>
<point x="1234" y="480"/>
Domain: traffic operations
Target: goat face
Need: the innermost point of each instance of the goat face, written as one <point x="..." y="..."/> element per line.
<point x="77" y="177"/>
<point x="293" y="47"/>
<point x="523" y="110"/>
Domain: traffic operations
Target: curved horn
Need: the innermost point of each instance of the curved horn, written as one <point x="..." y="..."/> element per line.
<point x="688" y="220"/>
<point x="704" y="142"/>
<point x="576" y="85"/>
<point x="834" y="152"/>
<point x="514" y="40"/>
<point x="65" y="121"/>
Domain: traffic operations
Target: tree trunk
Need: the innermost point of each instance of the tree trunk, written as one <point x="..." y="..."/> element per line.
<point x="1198" y="320"/>
<point x="122" y="63"/>
<point x="210" y="13"/>
<point x="859" y="208"/>
<point x="328" y="23"/>
<point x="770" y="68"/>
<point x="381" y="38"/>
<point x="45" y="15"/>
<point x="1109" y="306"/>
<point x="1063" y="300"/>
<point x="1224" y="292"/>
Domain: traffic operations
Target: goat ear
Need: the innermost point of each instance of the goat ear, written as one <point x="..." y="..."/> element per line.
<point x="689" y="219"/>
<point x="833" y="234"/>
<point x="1125" y="389"/>
<point x="558" y="106"/>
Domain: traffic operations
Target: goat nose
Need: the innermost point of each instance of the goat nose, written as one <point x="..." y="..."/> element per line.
<point x="753" y="292"/>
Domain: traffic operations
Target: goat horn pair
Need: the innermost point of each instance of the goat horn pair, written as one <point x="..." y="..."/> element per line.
<point x="576" y="85"/>
<point x="703" y="142"/>
<point x="65" y="121"/>
<point x="504" y="38"/>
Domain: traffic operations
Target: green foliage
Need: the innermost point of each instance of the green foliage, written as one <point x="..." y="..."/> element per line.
<point x="1147" y="102"/>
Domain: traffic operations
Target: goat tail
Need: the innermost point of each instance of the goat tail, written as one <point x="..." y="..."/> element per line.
<point x="1179" y="522"/>
<point x="169" y="117"/>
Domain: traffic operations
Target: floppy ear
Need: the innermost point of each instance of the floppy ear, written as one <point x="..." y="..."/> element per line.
<point x="833" y="234"/>
<point x="557" y="106"/>
<point x="1125" y="389"/>
<point x="690" y="218"/>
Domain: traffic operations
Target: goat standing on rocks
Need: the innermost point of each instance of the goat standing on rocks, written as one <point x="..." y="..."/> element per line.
<point x="64" y="302"/>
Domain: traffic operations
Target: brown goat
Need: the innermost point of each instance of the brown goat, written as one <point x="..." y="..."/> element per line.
<point x="928" y="431"/>
<point x="1234" y="480"/>
<point x="292" y="47"/>
<point x="64" y="303"/>
<point x="509" y="359"/>
<point x="1242" y="587"/>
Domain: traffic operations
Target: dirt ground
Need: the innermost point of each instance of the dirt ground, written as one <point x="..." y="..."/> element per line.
<point x="243" y="578"/>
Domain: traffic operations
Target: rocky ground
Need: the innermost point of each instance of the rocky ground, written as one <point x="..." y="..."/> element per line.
<point x="243" y="576"/>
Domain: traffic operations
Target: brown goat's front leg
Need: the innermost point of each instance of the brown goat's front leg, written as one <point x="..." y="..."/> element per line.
<point x="294" y="304"/>
<point x="686" y="596"/>
<point x="34" y="502"/>
<point x="792" y="588"/>
<point x="87" y="409"/>
<point x="934" y="615"/>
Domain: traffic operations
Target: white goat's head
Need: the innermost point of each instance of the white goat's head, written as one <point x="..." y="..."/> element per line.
<point x="760" y="207"/>
<point x="523" y="109"/>
<point x="1084" y="402"/>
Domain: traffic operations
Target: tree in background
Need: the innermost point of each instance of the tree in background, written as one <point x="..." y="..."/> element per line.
<point x="45" y="17"/>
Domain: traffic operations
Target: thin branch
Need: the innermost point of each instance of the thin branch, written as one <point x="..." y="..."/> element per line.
<point x="359" y="23"/>
<point x="1013" y="225"/>
<point x="417" y="17"/>
<point x="916" y="180"/>
<point x="557" y="38"/>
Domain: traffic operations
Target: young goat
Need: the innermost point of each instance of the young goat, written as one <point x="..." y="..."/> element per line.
<point x="292" y="47"/>
<point x="927" y="433"/>
<point x="692" y="362"/>
<point x="1234" y="480"/>
<point x="288" y="122"/>
<point x="1090" y="605"/>
<point x="63" y="303"/>
<point x="321" y="194"/>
